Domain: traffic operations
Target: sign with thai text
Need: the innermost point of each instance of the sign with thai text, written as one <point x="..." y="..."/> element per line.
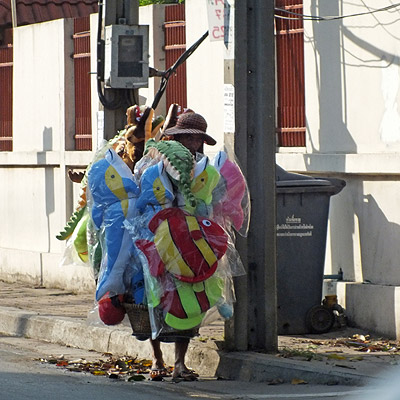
<point x="216" y="19"/>
<point x="229" y="108"/>
<point x="294" y="226"/>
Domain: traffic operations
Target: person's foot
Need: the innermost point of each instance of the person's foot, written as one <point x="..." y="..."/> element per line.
<point x="158" y="365"/>
<point x="184" y="374"/>
<point x="158" y="374"/>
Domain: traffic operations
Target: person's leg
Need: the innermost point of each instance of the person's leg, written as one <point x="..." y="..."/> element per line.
<point x="180" y="369"/>
<point x="158" y="370"/>
<point x="158" y="361"/>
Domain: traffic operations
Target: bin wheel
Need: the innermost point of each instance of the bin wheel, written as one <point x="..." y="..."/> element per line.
<point x="320" y="319"/>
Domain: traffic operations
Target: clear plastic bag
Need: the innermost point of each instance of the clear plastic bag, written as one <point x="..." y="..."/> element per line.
<point x="112" y="195"/>
<point x="166" y="244"/>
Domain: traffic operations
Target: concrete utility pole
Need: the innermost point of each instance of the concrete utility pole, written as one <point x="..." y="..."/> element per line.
<point x="118" y="12"/>
<point x="255" y="323"/>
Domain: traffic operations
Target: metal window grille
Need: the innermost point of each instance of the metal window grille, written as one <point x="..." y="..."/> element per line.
<point x="291" y="119"/>
<point x="83" y="120"/>
<point x="6" y="94"/>
<point x="175" y="45"/>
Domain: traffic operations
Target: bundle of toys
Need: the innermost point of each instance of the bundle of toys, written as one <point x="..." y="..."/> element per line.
<point x="158" y="227"/>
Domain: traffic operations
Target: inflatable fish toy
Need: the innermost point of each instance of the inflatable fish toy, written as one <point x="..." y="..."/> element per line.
<point x="114" y="195"/>
<point x="185" y="246"/>
<point x="205" y="179"/>
<point x="155" y="189"/>
<point x="230" y="205"/>
<point x="178" y="161"/>
<point x="185" y="305"/>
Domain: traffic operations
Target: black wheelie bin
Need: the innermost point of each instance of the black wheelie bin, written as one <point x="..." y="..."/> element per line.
<point x="302" y="204"/>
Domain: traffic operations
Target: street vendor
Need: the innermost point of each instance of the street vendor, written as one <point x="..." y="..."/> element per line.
<point x="168" y="257"/>
<point x="190" y="131"/>
<point x="164" y="232"/>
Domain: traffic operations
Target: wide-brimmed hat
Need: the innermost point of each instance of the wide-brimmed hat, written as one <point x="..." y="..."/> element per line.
<point x="191" y="123"/>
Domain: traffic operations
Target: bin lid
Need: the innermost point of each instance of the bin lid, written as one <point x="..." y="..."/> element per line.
<point x="285" y="179"/>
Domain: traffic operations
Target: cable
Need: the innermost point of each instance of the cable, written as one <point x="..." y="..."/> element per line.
<point x="115" y="103"/>
<point x="329" y="18"/>
<point x="167" y="74"/>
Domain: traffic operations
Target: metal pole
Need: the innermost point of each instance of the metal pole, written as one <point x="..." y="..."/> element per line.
<point x="14" y="13"/>
<point x="255" y="146"/>
<point x="236" y="331"/>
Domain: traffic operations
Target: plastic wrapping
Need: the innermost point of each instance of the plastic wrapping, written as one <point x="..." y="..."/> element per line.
<point x="231" y="198"/>
<point x="112" y="198"/>
<point x="164" y="237"/>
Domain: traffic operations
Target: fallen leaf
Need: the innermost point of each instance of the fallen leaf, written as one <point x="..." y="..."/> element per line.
<point x="62" y="363"/>
<point x="136" y="378"/>
<point x="333" y="351"/>
<point x="356" y="358"/>
<point x="296" y="381"/>
<point x="336" y="357"/>
<point x="147" y="363"/>
<point x="98" y="372"/>
<point x="344" y="366"/>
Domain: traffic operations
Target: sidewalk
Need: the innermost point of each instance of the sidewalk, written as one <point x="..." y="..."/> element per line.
<point x="62" y="317"/>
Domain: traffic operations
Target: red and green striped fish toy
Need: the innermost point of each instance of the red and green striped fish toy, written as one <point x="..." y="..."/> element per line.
<point x="184" y="257"/>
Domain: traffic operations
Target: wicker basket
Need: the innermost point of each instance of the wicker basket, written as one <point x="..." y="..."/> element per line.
<point x="139" y="319"/>
<point x="138" y="315"/>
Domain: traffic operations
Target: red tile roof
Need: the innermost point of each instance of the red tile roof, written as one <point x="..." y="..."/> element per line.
<point x="33" y="11"/>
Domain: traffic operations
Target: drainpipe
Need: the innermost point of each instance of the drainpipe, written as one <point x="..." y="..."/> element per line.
<point x="14" y="13"/>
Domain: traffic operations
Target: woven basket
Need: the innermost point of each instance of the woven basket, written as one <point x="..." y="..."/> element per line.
<point x="138" y="315"/>
<point x="139" y="319"/>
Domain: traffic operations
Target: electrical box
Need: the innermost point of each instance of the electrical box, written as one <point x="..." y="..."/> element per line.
<point x="126" y="56"/>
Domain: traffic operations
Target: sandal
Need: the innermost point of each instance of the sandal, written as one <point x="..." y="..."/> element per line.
<point x="187" y="376"/>
<point x="158" y="374"/>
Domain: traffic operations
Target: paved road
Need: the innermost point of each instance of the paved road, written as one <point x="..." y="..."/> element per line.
<point x="22" y="376"/>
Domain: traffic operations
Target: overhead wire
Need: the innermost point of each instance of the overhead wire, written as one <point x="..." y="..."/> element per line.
<point x="329" y="18"/>
<point x="165" y="75"/>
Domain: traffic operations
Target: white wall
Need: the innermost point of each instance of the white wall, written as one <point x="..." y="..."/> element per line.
<point x="352" y="79"/>
<point x="365" y="230"/>
<point x="39" y="91"/>
<point x="36" y="198"/>
<point x="154" y="17"/>
<point x="205" y="73"/>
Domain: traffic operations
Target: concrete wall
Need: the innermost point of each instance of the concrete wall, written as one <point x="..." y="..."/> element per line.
<point x="154" y="17"/>
<point x="353" y="132"/>
<point x="36" y="198"/>
<point x="205" y="73"/>
<point x="40" y="91"/>
<point x="352" y="80"/>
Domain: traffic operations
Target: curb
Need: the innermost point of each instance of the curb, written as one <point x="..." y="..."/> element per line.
<point x="204" y="357"/>
<point x="256" y="367"/>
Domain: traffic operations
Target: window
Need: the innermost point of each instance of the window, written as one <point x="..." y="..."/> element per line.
<point x="6" y="82"/>
<point x="83" y="120"/>
<point x="291" y="120"/>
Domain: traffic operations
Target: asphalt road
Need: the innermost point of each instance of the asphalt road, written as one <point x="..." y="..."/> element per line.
<point x="24" y="377"/>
